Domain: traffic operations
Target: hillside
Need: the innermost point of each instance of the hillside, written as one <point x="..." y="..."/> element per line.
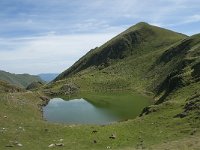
<point x="136" y="41"/>
<point x="125" y="62"/>
<point x="157" y="63"/>
<point x="144" y="58"/>
<point x="6" y="87"/>
<point x="20" y="80"/>
<point x="152" y="61"/>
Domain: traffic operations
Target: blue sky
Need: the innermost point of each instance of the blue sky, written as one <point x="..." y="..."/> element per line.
<point x="40" y="36"/>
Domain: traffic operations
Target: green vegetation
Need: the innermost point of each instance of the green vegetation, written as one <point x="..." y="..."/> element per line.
<point x="34" y="85"/>
<point x="149" y="131"/>
<point x="6" y="87"/>
<point x="145" y="59"/>
<point x="20" y="80"/>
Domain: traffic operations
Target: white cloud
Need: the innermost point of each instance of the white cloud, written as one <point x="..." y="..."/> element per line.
<point x="50" y="35"/>
<point x="52" y="53"/>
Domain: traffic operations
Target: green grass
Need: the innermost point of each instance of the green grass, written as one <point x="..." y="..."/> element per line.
<point x="136" y="41"/>
<point x="152" y="130"/>
<point x="164" y="66"/>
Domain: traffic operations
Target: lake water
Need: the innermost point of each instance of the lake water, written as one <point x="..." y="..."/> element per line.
<point x="102" y="109"/>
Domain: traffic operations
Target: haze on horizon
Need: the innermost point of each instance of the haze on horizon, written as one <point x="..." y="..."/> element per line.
<point x="49" y="36"/>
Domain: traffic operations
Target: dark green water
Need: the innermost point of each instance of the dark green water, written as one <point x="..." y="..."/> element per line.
<point x="96" y="109"/>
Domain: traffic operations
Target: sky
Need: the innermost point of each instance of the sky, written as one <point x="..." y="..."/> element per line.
<point x="48" y="36"/>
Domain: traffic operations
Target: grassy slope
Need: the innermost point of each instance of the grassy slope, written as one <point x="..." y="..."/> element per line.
<point x="6" y="87"/>
<point x="20" y="80"/>
<point x="153" y="130"/>
<point x="136" y="41"/>
<point x="134" y="72"/>
<point x="125" y="62"/>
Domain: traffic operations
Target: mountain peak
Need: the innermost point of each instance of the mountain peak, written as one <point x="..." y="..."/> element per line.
<point x="141" y="24"/>
<point x="138" y="40"/>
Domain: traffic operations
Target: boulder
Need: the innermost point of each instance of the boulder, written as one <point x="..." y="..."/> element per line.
<point x="34" y="85"/>
<point x="69" y="88"/>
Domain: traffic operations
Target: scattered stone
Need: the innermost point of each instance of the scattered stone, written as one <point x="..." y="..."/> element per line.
<point x="148" y="110"/>
<point x="94" y="131"/>
<point x="193" y="131"/>
<point x="71" y="126"/>
<point x="113" y="136"/>
<point x="61" y="140"/>
<point x="9" y="146"/>
<point x="108" y="147"/>
<point x="59" y="144"/>
<point x="19" y="144"/>
<point x="51" y="145"/>
<point x="95" y="141"/>
<point x="14" y="142"/>
<point x="69" y="88"/>
<point x="181" y="115"/>
<point x="5" y="116"/>
<point x="193" y="104"/>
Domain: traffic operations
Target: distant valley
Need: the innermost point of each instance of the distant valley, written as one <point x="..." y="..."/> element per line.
<point x="48" y="76"/>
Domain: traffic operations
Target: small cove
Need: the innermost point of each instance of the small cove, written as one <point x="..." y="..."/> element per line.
<point x="95" y="109"/>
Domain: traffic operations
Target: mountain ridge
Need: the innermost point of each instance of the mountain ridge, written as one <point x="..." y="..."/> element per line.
<point x="126" y="43"/>
<point x="20" y="80"/>
<point x="143" y="58"/>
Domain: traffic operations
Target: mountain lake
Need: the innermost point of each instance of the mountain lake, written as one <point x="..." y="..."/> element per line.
<point x="96" y="109"/>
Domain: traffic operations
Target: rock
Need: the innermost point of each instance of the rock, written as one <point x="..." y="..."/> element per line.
<point x="19" y="144"/>
<point x="59" y="144"/>
<point x="94" y="131"/>
<point x="148" y="110"/>
<point x="113" y="136"/>
<point x="68" y="89"/>
<point x="61" y="140"/>
<point x="108" y="147"/>
<point x="34" y="85"/>
<point x="181" y="115"/>
<point x="193" y="104"/>
<point x="46" y="130"/>
<point x="5" y="116"/>
<point x="95" y="141"/>
<point x="193" y="131"/>
<point x="44" y="98"/>
<point x="9" y="146"/>
<point x="51" y="145"/>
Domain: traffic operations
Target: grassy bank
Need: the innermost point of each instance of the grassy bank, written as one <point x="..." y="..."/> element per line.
<point x="21" y="121"/>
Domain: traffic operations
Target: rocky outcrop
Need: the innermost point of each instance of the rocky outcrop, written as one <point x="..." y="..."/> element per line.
<point x="34" y="85"/>
<point x="69" y="88"/>
<point x="193" y="105"/>
<point x="66" y="89"/>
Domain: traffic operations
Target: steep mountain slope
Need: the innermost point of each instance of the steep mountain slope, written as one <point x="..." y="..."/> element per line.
<point x="153" y="61"/>
<point x="178" y="66"/>
<point x="125" y="62"/>
<point x="20" y="80"/>
<point x="136" y="41"/>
